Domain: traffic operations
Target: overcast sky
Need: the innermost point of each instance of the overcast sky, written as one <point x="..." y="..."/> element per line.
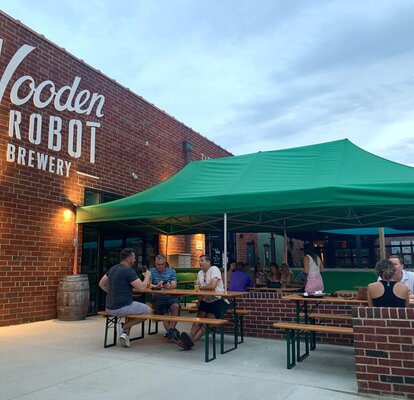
<point x="253" y="75"/>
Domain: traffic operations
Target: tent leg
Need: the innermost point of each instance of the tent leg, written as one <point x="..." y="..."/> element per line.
<point x="225" y="251"/>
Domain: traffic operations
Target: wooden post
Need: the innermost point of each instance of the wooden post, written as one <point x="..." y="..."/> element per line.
<point x="381" y="243"/>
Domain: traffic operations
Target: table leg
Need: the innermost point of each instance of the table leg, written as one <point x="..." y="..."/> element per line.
<point x="298" y="310"/>
<point x="235" y="323"/>
<point x="306" y="314"/>
<point x="290" y="342"/>
<point x="299" y="333"/>
<point x="235" y="327"/>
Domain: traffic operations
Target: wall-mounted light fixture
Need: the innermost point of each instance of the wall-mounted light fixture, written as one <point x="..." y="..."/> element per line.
<point x="67" y="215"/>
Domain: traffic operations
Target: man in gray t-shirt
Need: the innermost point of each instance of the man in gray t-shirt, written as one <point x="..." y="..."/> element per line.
<point x="120" y="290"/>
<point x="119" y="283"/>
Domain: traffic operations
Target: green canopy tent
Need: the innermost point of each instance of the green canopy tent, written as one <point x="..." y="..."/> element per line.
<point x="333" y="185"/>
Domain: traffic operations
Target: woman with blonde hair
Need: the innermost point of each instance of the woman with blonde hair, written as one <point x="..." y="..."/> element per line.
<point x="273" y="279"/>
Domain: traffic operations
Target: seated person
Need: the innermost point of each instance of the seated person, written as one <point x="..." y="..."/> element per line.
<point x="209" y="278"/>
<point x="119" y="283"/>
<point x="163" y="277"/>
<point x="405" y="277"/>
<point x="259" y="276"/>
<point x="300" y="279"/>
<point x="273" y="279"/>
<point x="286" y="275"/>
<point x="387" y="292"/>
<point x="240" y="280"/>
<point x="231" y="267"/>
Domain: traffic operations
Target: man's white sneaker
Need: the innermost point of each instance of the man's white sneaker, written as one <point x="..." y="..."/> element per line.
<point x="124" y="339"/>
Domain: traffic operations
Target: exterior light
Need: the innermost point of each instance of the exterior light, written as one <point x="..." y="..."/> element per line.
<point x="67" y="215"/>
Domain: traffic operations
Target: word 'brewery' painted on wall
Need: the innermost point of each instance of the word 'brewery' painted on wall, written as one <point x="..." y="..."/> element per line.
<point x="21" y="145"/>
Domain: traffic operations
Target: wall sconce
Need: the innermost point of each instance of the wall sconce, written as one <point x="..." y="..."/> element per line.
<point x="67" y="215"/>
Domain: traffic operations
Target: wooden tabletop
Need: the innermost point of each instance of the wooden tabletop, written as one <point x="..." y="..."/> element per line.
<point x="192" y="292"/>
<point x="268" y="289"/>
<point x="325" y="299"/>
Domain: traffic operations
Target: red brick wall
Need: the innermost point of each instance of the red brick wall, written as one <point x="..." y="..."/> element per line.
<point x="384" y="351"/>
<point x="36" y="244"/>
<point x="269" y="307"/>
<point x="383" y="339"/>
<point x="176" y="245"/>
<point x="241" y="246"/>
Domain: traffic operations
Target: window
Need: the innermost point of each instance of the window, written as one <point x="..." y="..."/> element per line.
<point x="102" y="244"/>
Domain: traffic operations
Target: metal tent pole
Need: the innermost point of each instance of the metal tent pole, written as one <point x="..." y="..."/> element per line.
<point x="285" y="246"/>
<point x="285" y="243"/>
<point x="225" y="252"/>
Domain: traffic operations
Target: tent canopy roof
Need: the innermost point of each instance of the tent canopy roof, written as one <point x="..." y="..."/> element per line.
<point x="325" y="186"/>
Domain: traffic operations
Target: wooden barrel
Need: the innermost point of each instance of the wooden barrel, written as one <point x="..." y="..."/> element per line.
<point x="73" y="297"/>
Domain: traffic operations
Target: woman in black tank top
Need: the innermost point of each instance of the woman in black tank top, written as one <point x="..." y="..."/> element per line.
<point x="387" y="292"/>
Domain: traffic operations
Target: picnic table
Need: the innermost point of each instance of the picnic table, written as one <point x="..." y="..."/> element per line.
<point x="232" y="296"/>
<point x="268" y="289"/>
<point x="303" y="324"/>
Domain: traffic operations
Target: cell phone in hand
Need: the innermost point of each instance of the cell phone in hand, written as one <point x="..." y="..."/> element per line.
<point x="164" y="282"/>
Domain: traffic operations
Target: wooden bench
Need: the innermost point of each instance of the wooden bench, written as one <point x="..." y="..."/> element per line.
<point x="209" y="328"/>
<point x="323" y="317"/>
<point x="240" y="313"/>
<point x="293" y="333"/>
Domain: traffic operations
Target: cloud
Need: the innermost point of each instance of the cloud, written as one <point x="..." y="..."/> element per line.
<point x="358" y="37"/>
<point x="253" y="76"/>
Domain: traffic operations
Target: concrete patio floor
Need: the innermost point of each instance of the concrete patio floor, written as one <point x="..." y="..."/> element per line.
<point x="66" y="360"/>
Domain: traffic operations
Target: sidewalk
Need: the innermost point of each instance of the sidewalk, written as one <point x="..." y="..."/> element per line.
<point x="66" y="360"/>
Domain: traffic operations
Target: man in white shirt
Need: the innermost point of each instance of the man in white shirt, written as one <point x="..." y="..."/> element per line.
<point x="209" y="278"/>
<point x="405" y="277"/>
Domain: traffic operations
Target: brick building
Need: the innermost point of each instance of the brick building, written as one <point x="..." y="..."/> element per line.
<point x="72" y="136"/>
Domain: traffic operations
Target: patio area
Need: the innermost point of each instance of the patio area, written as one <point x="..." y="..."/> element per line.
<point x="66" y="360"/>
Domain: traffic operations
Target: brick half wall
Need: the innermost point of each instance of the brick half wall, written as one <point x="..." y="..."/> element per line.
<point x="384" y="350"/>
<point x="269" y="307"/>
